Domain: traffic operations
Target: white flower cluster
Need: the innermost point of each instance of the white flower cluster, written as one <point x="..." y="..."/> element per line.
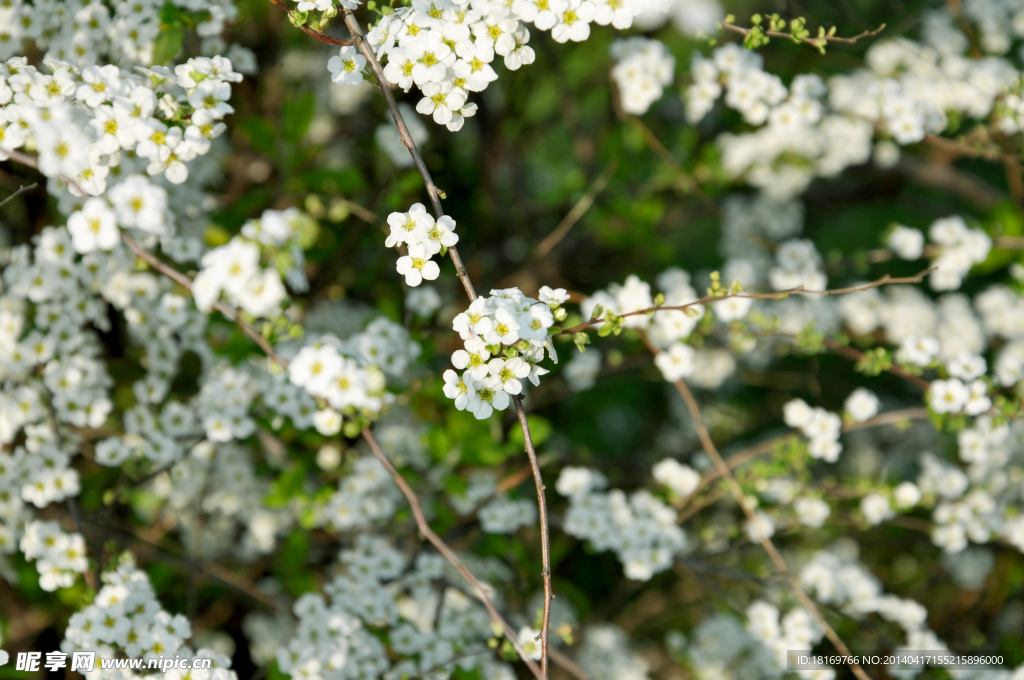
<point x="365" y="496"/>
<point x="505" y="515"/>
<point x="505" y="336"/>
<point x="81" y="120"/>
<point x="425" y="237"/>
<point x="342" y="381"/>
<point x="835" y="578"/>
<point x="820" y="426"/>
<point x="681" y="479"/>
<point x="796" y="630"/>
<point x="239" y="270"/>
<point x="640" y="529"/>
<point x="960" y="248"/>
<point x="606" y="654"/>
<point x="123" y="31"/>
<point x="669" y="328"/>
<point x="39" y="472"/>
<point x="127" y="618"/>
<point x="427" y="631"/>
<point x="816" y="130"/>
<point x="643" y="69"/>
<point x="446" y="48"/>
<point x="59" y="556"/>
<point x="796" y="123"/>
<point x="351" y="374"/>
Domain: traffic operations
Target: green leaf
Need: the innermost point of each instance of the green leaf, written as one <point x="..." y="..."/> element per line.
<point x="261" y="135"/>
<point x="168" y="43"/>
<point x="540" y="431"/>
<point x="296" y="116"/>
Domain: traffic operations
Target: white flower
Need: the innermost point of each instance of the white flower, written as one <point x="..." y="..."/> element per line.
<point x="811" y="512"/>
<point x="327" y="422"/>
<point x="456" y="387"/>
<point x="417" y="265"/>
<point x="347" y="66"/>
<point x="732" y="308"/>
<point x="907" y="243"/>
<point x="528" y="641"/>
<point x="93" y="227"/>
<point x="505" y="374"/>
<point x="861" y="405"/>
<point x="676" y="362"/>
<point x="876" y="508"/>
<point x="760" y="528"/>
<point x="797" y="413"/>
<point x="682" y="479"/>
<point x="948" y="396"/>
<point x="553" y="297"/>
<point x="906" y="495"/>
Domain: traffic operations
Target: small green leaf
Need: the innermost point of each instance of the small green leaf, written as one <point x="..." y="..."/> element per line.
<point x="296" y="116"/>
<point x="168" y="43"/>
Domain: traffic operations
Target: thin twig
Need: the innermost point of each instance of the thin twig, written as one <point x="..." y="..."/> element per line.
<point x="20" y="190"/>
<point x="578" y="210"/>
<point x="737" y="459"/>
<point x="545" y="540"/>
<point x="225" y="309"/>
<point x="810" y="41"/>
<point x="403" y="132"/>
<point x="309" y="31"/>
<point x="446" y="552"/>
<point x="766" y="543"/>
<point x="778" y="295"/>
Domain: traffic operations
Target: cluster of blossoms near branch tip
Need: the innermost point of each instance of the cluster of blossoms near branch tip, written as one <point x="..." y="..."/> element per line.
<point x="446" y="48"/>
<point x="425" y="237"/>
<point x="505" y="337"/>
<point x="85" y="122"/>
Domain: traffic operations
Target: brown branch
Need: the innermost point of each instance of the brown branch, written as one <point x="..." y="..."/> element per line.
<point x="766" y="543"/>
<point x="403" y="132"/>
<point x="446" y="552"/>
<point x="194" y="565"/>
<point x="578" y="210"/>
<point x="20" y="190"/>
<point x="545" y="539"/>
<point x="778" y="295"/>
<point x="225" y="309"/>
<point x="810" y="41"/>
<point x="310" y="32"/>
<point x="767" y="446"/>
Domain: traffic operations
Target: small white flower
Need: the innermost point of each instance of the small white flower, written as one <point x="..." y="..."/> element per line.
<point x="347" y="66"/>
<point x="417" y="266"/>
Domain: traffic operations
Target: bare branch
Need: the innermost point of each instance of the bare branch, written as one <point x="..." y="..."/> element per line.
<point x="737" y="459"/>
<point x="309" y="31"/>
<point x="545" y="539"/>
<point x="578" y="210"/>
<point x="20" y="190"/>
<point x="766" y="543"/>
<point x="778" y="295"/>
<point x="810" y="41"/>
<point x="446" y="552"/>
<point x="403" y="132"/>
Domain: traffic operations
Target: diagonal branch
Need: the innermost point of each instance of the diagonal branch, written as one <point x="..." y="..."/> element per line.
<point x="574" y="215"/>
<point x="20" y="190"/>
<point x="310" y="32"/>
<point x="442" y="547"/>
<point x="545" y="539"/>
<point x="766" y="543"/>
<point x="886" y="280"/>
<point x="403" y="132"/>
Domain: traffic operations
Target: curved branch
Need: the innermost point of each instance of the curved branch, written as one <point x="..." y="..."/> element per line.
<point x="446" y="552"/>
<point x="778" y="295"/>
